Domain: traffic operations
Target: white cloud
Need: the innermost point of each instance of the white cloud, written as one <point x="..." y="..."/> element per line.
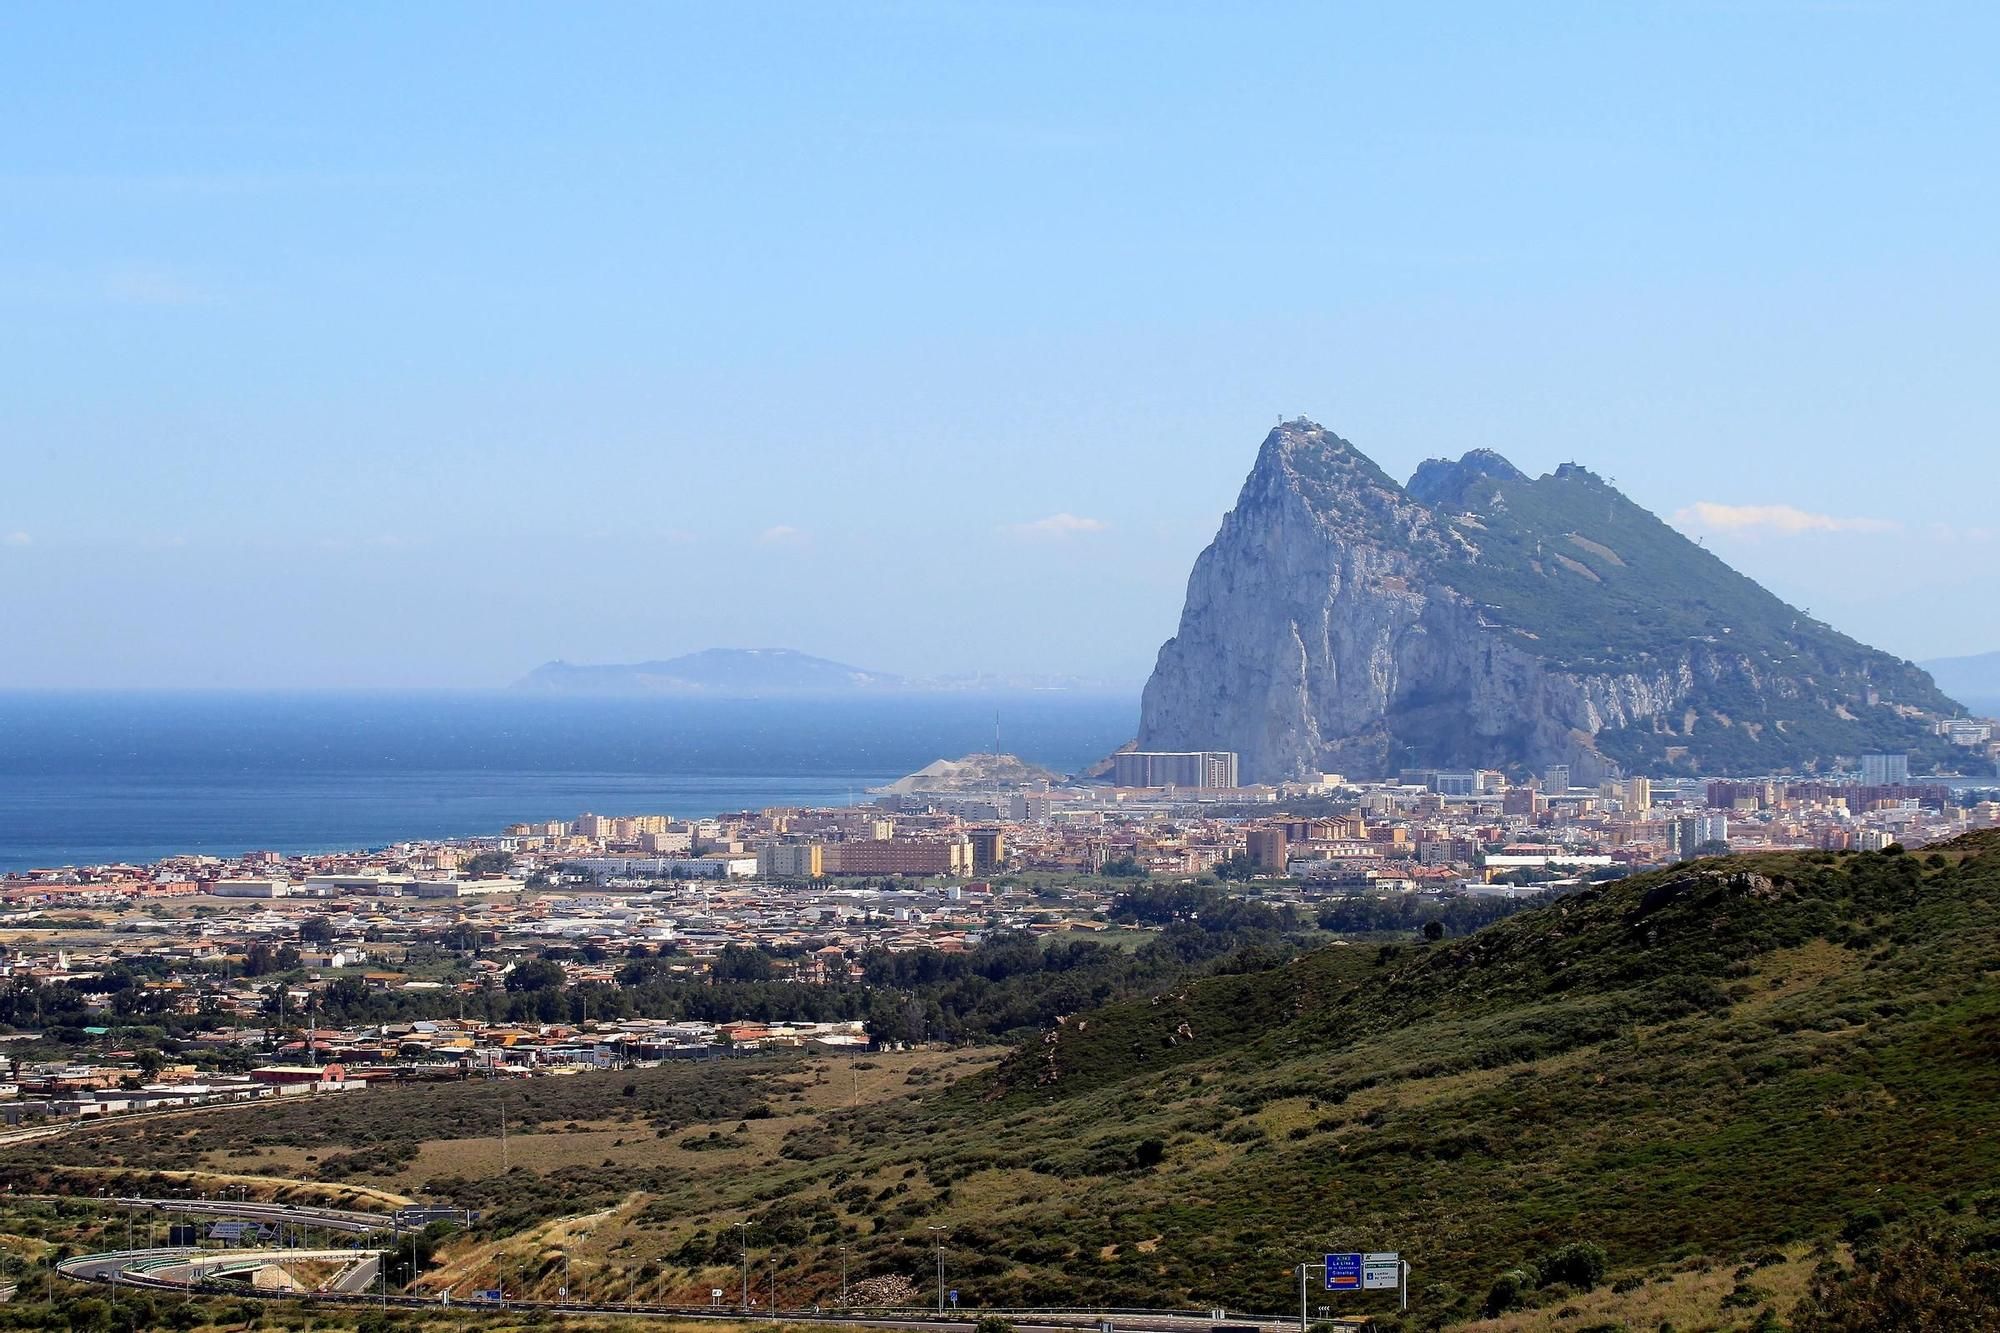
<point x="1782" y="520"/>
<point x="1056" y="526"/>
<point x="781" y="534"/>
<point x="17" y="539"/>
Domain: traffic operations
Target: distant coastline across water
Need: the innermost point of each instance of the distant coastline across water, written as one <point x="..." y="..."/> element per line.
<point x="89" y="778"/>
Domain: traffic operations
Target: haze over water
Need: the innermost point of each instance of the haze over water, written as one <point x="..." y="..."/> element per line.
<point x="95" y="777"/>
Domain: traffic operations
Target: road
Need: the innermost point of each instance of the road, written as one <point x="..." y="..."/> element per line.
<point x="272" y="1214"/>
<point x="185" y="1268"/>
<point x="359" y="1278"/>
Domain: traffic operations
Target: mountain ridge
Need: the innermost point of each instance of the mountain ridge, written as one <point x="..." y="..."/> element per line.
<point x="1341" y="621"/>
<point x="746" y="672"/>
<point x="1974" y="677"/>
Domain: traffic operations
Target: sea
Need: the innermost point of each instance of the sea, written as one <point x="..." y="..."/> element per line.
<point x="95" y="778"/>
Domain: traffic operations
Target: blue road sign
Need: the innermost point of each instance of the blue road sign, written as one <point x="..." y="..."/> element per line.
<point x="1343" y="1272"/>
<point x="492" y="1294"/>
<point x="954" y="1298"/>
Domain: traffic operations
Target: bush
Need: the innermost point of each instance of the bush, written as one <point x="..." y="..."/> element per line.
<point x="1578" y="1266"/>
<point x="992" y="1323"/>
<point x="1507" y="1291"/>
<point x="1926" y="1276"/>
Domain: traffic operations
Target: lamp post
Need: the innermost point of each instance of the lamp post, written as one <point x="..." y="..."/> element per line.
<point x="938" y="1234"/>
<point x="843" y="1275"/>
<point x="743" y="1239"/>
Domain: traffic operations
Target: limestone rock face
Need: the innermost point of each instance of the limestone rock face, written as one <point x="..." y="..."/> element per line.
<point x="1341" y="622"/>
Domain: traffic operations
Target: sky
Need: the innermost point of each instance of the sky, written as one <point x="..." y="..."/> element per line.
<point x="383" y="345"/>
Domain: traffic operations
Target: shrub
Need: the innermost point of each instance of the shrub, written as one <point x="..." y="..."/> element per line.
<point x="1579" y="1266"/>
<point x="1507" y="1291"/>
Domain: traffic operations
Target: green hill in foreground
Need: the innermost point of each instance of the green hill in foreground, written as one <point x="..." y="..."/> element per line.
<point x="1705" y="1060"/>
<point x="1708" y="1071"/>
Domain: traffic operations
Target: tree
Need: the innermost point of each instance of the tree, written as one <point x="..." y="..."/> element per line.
<point x="1433" y="931"/>
<point x="316" y="930"/>
<point x="259" y="960"/>
<point x="737" y="963"/>
<point x="1238" y="867"/>
<point x="488" y="863"/>
<point x="538" y="974"/>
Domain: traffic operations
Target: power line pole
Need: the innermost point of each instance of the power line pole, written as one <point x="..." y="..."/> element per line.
<point x="939" y="1233"/>
<point x="743" y="1239"/>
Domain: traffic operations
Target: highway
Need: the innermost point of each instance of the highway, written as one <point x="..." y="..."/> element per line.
<point x="185" y="1269"/>
<point x="272" y="1214"/>
<point x="360" y="1277"/>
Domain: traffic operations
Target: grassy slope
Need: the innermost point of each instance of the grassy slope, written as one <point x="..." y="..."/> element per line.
<point x="1679" y="1064"/>
<point x="1707" y="1061"/>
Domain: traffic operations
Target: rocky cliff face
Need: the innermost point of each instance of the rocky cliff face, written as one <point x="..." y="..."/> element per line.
<point x="1340" y="622"/>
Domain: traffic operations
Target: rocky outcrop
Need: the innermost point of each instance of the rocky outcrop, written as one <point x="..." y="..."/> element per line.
<point x="975" y="772"/>
<point x="1341" y="622"/>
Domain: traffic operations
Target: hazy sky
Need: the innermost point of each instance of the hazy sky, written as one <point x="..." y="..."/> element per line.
<point x="398" y="344"/>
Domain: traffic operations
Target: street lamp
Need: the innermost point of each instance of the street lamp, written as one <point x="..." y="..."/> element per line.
<point x="939" y="1233"/>
<point x="743" y="1239"/>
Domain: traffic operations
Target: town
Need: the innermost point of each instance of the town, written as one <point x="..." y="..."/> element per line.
<point x="204" y="979"/>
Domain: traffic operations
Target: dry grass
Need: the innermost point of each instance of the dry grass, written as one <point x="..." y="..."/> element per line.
<point x="1688" y="1300"/>
<point x="89" y="1180"/>
<point x="608" y="1250"/>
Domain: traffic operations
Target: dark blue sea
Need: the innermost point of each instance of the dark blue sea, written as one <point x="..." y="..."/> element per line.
<point x="91" y="778"/>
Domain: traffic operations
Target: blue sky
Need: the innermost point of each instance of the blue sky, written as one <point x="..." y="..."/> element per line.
<point x="399" y="345"/>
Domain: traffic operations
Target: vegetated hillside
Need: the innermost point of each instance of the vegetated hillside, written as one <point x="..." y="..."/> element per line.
<point x="1603" y="586"/>
<point x="1482" y="618"/>
<point x="1705" y="1060"/>
<point x="1709" y="1062"/>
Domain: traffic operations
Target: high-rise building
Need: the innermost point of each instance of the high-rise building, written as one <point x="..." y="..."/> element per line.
<point x="1885" y="770"/>
<point x="1685" y="835"/>
<point x="1266" y="847"/>
<point x="1638" y="795"/>
<point x="1555" y="779"/>
<point x="989" y="849"/>
<point x="1174" y="768"/>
